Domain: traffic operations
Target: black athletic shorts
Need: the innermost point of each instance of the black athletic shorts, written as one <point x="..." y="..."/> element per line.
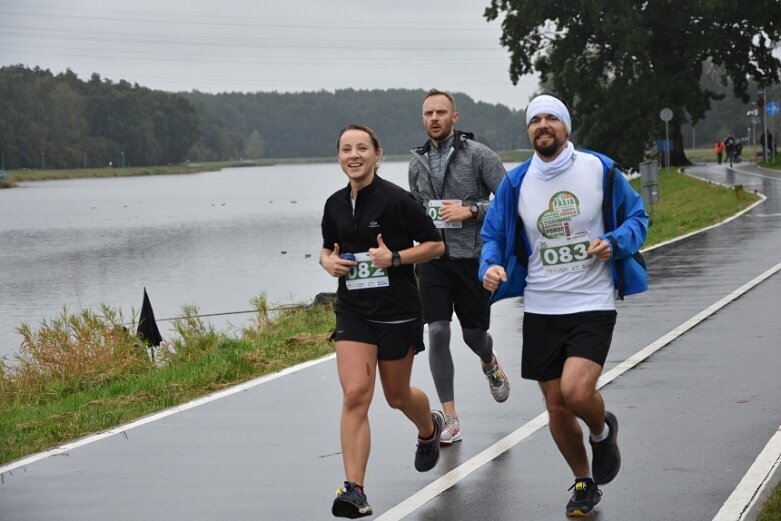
<point x="548" y="340"/>
<point x="447" y="285"/>
<point x="394" y="340"/>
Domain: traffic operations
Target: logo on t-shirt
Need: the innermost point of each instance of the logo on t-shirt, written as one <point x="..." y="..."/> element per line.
<point x="554" y="222"/>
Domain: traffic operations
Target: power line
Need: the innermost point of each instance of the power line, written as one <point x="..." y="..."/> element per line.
<point x="250" y="22"/>
<point x="136" y="38"/>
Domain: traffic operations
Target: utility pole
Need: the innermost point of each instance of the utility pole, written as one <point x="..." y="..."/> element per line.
<point x="764" y="121"/>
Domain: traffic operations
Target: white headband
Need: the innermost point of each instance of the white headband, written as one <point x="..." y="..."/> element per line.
<point x="545" y="104"/>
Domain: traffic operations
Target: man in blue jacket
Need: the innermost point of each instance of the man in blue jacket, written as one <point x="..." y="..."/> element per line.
<point x="564" y="231"/>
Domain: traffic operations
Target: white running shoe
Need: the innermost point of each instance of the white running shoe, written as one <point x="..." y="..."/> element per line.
<point x="452" y="431"/>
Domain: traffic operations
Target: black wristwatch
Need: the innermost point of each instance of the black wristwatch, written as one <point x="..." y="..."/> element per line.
<point x="395" y="259"/>
<point x="475" y="211"/>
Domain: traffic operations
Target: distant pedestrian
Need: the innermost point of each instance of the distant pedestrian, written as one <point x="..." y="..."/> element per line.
<point x="730" y="148"/>
<point x="453" y="177"/>
<point x="738" y="150"/>
<point x="564" y="230"/>
<point x="719" y="149"/>
<point x="373" y="234"/>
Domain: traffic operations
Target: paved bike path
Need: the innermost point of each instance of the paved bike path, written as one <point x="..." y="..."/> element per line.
<point x="693" y="417"/>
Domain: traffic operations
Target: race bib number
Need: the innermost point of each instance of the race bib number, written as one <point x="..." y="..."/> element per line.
<point x="565" y="254"/>
<point x="365" y="275"/>
<point x="434" y="207"/>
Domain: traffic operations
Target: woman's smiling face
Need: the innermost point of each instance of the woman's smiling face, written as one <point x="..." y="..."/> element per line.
<point x="358" y="156"/>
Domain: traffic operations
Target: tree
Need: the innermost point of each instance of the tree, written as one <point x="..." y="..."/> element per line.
<point x="618" y="63"/>
<point x="256" y="146"/>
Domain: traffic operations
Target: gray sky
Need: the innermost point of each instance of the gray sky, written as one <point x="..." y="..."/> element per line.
<point x="267" y="45"/>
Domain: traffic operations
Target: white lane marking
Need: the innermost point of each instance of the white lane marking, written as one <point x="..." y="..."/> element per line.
<point x="450" y="479"/>
<point x="61" y="449"/>
<point x="745" y="501"/>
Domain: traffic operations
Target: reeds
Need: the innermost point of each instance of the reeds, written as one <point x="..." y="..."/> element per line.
<point x="70" y="352"/>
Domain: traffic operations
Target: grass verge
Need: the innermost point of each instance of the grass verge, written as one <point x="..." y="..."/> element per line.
<point x="57" y="393"/>
<point x="771" y="510"/>
<point x="677" y="214"/>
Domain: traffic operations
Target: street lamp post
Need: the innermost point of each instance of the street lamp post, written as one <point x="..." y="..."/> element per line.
<point x="666" y="115"/>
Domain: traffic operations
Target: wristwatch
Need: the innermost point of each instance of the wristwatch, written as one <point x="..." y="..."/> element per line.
<point x="395" y="259"/>
<point x="475" y="211"/>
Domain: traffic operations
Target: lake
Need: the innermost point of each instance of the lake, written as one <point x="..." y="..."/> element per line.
<point x="215" y="240"/>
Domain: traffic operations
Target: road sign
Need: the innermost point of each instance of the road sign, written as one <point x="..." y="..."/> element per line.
<point x="772" y="108"/>
<point x="666" y="114"/>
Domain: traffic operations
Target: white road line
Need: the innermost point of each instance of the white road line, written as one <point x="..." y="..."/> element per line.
<point x="61" y="449"/>
<point x="746" y="500"/>
<point x="450" y="479"/>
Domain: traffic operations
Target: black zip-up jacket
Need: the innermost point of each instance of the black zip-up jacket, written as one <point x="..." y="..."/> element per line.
<point x="380" y="208"/>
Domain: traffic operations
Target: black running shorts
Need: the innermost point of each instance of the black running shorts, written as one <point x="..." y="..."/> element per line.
<point x="394" y="340"/>
<point x="548" y="340"/>
<point x="448" y="285"/>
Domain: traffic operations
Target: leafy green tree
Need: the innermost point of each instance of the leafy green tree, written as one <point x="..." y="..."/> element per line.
<point x="256" y="146"/>
<point x="618" y="63"/>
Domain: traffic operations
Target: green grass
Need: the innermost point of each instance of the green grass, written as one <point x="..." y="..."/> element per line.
<point x="771" y="510"/>
<point x="49" y="396"/>
<point x="675" y="215"/>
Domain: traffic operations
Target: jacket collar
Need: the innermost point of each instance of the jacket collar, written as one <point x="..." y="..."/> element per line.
<point x="366" y="190"/>
<point x="459" y="138"/>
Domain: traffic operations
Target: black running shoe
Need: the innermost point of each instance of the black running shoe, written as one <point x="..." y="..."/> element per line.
<point x="606" y="458"/>
<point x="584" y="498"/>
<point x="427" y="453"/>
<point x="350" y="502"/>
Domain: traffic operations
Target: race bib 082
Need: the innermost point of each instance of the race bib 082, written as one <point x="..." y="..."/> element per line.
<point x="365" y="275"/>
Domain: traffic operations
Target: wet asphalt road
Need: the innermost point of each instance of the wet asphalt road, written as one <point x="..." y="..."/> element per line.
<point x="693" y="417"/>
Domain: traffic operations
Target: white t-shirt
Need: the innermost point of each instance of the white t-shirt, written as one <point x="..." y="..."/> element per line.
<point x="560" y="217"/>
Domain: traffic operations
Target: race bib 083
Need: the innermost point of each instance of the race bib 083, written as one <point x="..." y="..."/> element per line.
<point x="565" y="254"/>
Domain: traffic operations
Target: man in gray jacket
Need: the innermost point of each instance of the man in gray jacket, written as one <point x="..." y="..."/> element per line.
<point x="453" y="176"/>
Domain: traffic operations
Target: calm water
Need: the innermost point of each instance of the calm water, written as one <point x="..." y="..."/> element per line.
<point x="215" y="240"/>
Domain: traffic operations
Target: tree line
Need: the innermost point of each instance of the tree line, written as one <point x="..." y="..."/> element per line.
<point x="49" y="121"/>
<point x="306" y="124"/>
<point x="60" y="121"/>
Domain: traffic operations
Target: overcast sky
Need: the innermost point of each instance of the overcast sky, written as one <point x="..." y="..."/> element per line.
<point x="266" y="45"/>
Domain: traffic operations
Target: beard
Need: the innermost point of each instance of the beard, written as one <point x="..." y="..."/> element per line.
<point x="550" y="150"/>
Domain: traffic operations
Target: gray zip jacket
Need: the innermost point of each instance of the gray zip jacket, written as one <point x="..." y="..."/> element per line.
<point x="472" y="173"/>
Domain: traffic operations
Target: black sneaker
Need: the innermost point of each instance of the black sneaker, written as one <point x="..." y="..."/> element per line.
<point x="427" y="453"/>
<point x="584" y="498"/>
<point x="606" y="458"/>
<point x="350" y="502"/>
